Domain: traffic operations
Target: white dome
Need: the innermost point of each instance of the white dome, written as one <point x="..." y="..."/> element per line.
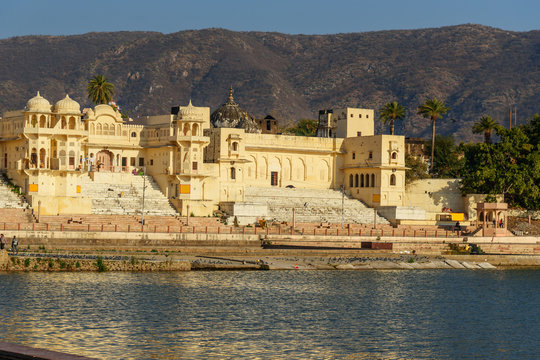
<point x="38" y="104"/>
<point x="67" y="106"/>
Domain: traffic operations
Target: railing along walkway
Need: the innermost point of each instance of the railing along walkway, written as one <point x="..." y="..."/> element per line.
<point x="194" y="229"/>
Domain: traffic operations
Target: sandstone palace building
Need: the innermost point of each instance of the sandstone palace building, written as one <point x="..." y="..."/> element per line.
<point x="57" y="153"/>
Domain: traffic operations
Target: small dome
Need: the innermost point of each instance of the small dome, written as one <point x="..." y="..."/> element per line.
<point x="38" y="104"/>
<point x="67" y="106"/>
<point x="189" y="112"/>
<point x="230" y="115"/>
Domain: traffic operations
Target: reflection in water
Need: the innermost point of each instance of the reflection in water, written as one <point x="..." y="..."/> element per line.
<point x="294" y="314"/>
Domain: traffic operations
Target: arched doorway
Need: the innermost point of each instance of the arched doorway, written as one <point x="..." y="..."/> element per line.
<point x="104" y="157"/>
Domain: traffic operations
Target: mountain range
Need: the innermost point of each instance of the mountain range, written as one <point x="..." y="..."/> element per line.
<point x="476" y="70"/>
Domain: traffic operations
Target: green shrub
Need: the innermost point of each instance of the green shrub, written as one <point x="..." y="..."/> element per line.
<point x="62" y="264"/>
<point x="100" y="264"/>
<point x="51" y="263"/>
<point x="26" y="262"/>
<point x="411" y="260"/>
<point x="77" y="264"/>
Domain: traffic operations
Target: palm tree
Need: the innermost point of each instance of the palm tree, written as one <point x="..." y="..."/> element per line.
<point x="432" y="109"/>
<point x="391" y="112"/>
<point x="100" y="90"/>
<point x="486" y="125"/>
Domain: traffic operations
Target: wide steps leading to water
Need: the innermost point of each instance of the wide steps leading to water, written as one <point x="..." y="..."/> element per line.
<point x="126" y="199"/>
<point x="311" y="205"/>
<point x="9" y="199"/>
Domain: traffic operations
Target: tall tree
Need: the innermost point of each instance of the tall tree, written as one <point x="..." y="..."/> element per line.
<point x="432" y="109"/>
<point x="100" y="90"/>
<point x="486" y="125"/>
<point x="390" y="112"/>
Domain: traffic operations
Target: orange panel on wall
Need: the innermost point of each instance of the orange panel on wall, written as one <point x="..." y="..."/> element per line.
<point x="33" y="187"/>
<point x="185" y="189"/>
<point x="376" y="198"/>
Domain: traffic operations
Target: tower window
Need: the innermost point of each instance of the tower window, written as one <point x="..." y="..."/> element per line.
<point x="353" y="155"/>
<point x="233" y="174"/>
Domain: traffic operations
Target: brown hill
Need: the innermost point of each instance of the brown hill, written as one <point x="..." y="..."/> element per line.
<point x="477" y="70"/>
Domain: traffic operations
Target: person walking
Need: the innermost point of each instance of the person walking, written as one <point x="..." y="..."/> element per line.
<point x="14" y="244"/>
<point x="2" y="241"/>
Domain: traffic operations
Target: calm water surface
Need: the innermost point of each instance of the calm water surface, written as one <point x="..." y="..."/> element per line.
<point x="276" y="314"/>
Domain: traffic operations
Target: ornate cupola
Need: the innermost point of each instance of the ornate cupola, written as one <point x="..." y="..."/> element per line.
<point x="231" y="115"/>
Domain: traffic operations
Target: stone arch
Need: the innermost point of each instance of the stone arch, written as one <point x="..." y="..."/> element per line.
<point x="34" y="121"/>
<point x="62" y="157"/>
<point x="42" y="158"/>
<point x="252" y="165"/>
<point x="42" y="121"/>
<point x="186" y="130"/>
<point x="63" y="122"/>
<point x="118" y="130"/>
<point x="302" y="170"/>
<point x="372" y="180"/>
<point x="264" y="168"/>
<point x="324" y="171"/>
<point x="288" y="169"/>
<point x="105" y="129"/>
<point x="351" y="180"/>
<point x="105" y="158"/>
<point x="362" y="183"/>
<point x="71" y="159"/>
<point x="72" y="123"/>
<point x="367" y="180"/>
<point x="195" y="130"/>
<point x="356" y="180"/>
<point x="99" y="129"/>
<point x="392" y="180"/>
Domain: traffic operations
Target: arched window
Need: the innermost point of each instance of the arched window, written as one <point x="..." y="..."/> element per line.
<point x="133" y="134"/>
<point x="367" y="180"/>
<point x="186" y="129"/>
<point x="92" y="129"/>
<point x="235" y="146"/>
<point x="99" y="129"/>
<point x="72" y="123"/>
<point x="353" y="155"/>
<point x="351" y="180"/>
<point x="34" y="121"/>
<point x="394" y="155"/>
<point x="372" y="180"/>
<point x="42" y="121"/>
<point x="195" y="130"/>
<point x="356" y="180"/>
<point x="392" y="180"/>
<point x="105" y="129"/>
<point x="64" y="124"/>
<point x="233" y="174"/>
<point x="361" y="180"/>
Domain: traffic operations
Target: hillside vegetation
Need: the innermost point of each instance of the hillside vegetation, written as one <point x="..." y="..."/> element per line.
<point x="475" y="70"/>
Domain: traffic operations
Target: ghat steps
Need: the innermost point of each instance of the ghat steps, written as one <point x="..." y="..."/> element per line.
<point x="311" y="205"/>
<point x="9" y="199"/>
<point x="126" y="198"/>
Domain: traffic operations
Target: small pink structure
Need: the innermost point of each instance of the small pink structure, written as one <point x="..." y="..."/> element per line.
<point x="493" y="217"/>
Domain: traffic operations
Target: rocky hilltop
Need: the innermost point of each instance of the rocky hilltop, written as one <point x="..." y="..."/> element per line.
<point x="475" y="69"/>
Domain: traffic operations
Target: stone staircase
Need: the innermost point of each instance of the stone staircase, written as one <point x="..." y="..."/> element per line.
<point x="311" y="205"/>
<point x="126" y="198"/>
<point x="9" y="199"/>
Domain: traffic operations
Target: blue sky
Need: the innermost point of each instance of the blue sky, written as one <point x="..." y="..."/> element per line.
<point x="66" y="17"/>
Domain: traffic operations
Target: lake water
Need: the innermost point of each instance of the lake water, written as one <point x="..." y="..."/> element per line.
<point x="423" y="314"/>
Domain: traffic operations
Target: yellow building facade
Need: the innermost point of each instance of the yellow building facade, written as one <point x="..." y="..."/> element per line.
<point x="55" y="152"/>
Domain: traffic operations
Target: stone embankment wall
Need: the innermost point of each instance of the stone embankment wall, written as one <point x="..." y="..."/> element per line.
<point x="24" y="263"/>
<point x="535" y="215"/>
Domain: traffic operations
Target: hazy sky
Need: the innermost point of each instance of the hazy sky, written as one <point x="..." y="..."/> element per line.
<point x="65" y="17"/>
